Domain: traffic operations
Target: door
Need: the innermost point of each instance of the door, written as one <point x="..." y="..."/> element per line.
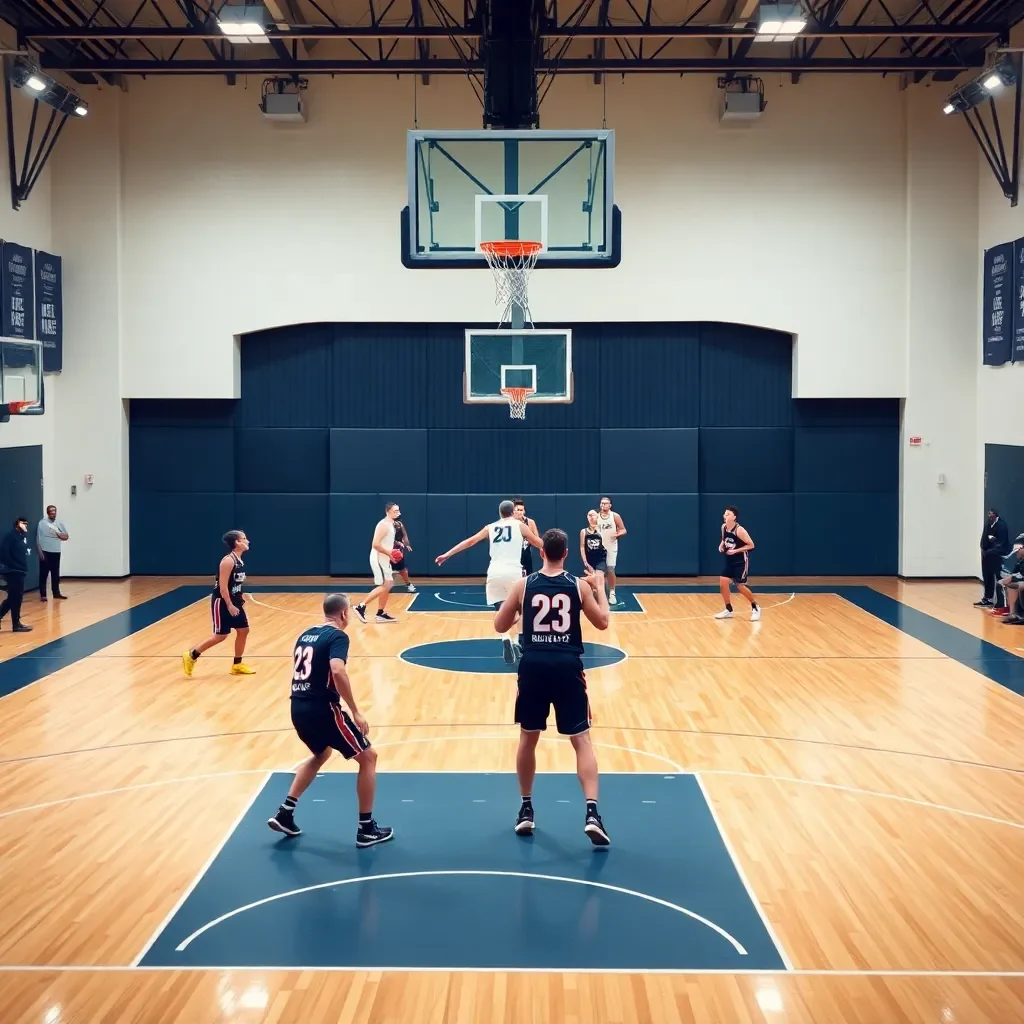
<point x="21" y="494"/>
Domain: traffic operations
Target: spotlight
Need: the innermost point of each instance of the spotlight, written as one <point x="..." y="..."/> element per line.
<point x="949" y="108"/>
<point x="81" y="110"/>
<point x="779" y="22"/>
<point x="35" y="83"/>
<point x="243" y="23"/>
<point x="25" y="75"/>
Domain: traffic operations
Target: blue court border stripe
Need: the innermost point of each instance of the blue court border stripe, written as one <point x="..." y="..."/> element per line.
<point x="1000" y="666"/>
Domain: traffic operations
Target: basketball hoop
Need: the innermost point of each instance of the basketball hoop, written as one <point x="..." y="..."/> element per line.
<point x="14" y="408"/>
<point x="517" y="398"/>
<point x="512" y="262"/>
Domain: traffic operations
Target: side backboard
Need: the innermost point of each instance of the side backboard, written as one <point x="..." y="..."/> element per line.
<point x="539" y="359"/>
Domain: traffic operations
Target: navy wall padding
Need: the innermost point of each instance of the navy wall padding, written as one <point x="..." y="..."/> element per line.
<point x="863" y="532"/>
<point x="282" y="461"/>
<point x="367" y="460"/>
<point x="288" y="533"/>
<point x="745" y="377"/>
<point x="178" y="413"/>
<point x="419" y="561"/>
<point x="192" y="459"/>
<point x="746" y="459"/>
<point x="285" y="377"/>
<point x="446" y="526"/>
<point x="768" y="518"/>
<point x="179" y="533"/>
<point x="662" y="460"/>
<point x="673" y="534"/>
<point x="846" y="459"/>
<point x="572" y="517"/>
<point x="846" y="412"/>
<point x="351" y="522"/>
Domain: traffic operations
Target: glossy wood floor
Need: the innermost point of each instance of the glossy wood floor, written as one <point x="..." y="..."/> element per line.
<point x="870" y="787"/>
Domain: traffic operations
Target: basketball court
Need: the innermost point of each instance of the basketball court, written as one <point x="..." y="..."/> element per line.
<point x="815" y="815"/>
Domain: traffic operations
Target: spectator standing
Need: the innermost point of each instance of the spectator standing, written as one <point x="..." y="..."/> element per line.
<point x="50" y="534"/>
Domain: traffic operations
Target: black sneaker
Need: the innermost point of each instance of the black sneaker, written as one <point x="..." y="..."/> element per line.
<point x="371" y="834"/>
<point x="594" y="828"/>
<point x="21" y="628"/>
<point x="284" y="821"/>
<point x="524" y="823"/>
<point x="360" y="610"/>
<point x="983" y="603"/>
<point x="508" y="654"/>
<point x="384" y="617"/>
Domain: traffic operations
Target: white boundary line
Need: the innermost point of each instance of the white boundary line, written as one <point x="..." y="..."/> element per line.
<point x="202" y="871"/>
<point x="738" y="868"/>
<point x="184" y="944"/>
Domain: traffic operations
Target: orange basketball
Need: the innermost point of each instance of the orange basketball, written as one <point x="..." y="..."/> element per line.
<point x="397" y="555"/>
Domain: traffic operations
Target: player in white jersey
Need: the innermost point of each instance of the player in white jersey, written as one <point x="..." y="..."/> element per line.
<point x="506" y="537"/>
<point x="611" y="527"/>
<point x="381" y="549"/>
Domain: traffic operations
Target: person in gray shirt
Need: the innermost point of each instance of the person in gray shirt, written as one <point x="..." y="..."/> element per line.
<point x="50" y="534"/>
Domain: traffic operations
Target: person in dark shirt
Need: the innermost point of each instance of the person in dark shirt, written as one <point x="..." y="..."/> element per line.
<point x="320" y="684"/>
<point x="995" y="546"/>
<point x="14" y="555"/>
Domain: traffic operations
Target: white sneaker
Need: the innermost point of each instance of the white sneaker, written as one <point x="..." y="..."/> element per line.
<point x="412" y="589"/>
<point x="755" y="614"/>
<point x="612" y="599"/>
<point x="724" y="614"/>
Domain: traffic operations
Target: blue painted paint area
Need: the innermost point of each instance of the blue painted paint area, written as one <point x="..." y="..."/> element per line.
<point x="352" y="915"/>
<point x="485" y="656"/>
<point x="471" y="598"/>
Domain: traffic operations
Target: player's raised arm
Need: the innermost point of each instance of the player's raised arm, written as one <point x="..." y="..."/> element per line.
<point x="530" y="535"/>
<point x="595" y="601"/>
<point x="480" y="535"/>
<point x="506" y="614"/>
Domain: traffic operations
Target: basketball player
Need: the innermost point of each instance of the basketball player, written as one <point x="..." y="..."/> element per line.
<point x="551" y="672"/>
<point x="319" y="684"/>
<point x="506" y="537"/>
<point x="402" y="544"/>
<point x="612" y="528"/>
<point x="227" y="607"/>
<point x="592" y="549"/>
<point x="735" y="545"/>
<point x="520" y="513"/>
<point x="381" y="547"/>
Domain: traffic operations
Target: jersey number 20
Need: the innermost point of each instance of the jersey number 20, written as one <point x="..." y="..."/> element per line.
<point x="502" y="533"/>
<point x="542" y="607"/>
<point x="303" y="662"/>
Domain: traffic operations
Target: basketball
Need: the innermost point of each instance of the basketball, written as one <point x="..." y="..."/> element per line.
<point x="397" y="555"/>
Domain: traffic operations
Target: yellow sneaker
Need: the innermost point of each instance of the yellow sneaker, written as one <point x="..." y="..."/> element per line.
<point x="241" y="669"/>
<point x="188" y="662"/>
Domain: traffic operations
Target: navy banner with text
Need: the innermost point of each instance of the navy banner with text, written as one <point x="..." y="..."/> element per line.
<point x="1018" y="300"/>
<point x="50" y="310"/>
<point x="16" y="288"/>
<point x="998" y="305"/>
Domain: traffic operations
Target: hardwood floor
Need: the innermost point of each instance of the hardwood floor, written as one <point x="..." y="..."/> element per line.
<point x="869" y="787"/>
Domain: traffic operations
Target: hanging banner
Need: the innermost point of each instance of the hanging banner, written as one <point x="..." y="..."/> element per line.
<point x="1018" y="300"/>
<point x="998" y="305"/>
<point x="50" y="310"/>
<point x="16" y="287"/>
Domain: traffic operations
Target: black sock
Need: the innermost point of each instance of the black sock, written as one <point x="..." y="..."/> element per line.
<point x="238" y="661"/>
<point x="753" y="604"/>
<point x="527" y="803"/>
<point x="194" y="654"/>
<point x="365" y="819"/>
<point x="290" y="803"/>
<point x="591" y="807"/>
<point x="728" y="607"/>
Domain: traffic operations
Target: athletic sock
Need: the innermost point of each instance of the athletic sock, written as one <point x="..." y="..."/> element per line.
<point x="290" y="803"/>
<point x="728" y="607"/>
<point x="194" y="655"/>
<point x="365" y="819"/>
<point x="527" y="803"/>
<point x="238" y="661"/>
<point x="591" y="808"/>
<point x="753" y="604"/>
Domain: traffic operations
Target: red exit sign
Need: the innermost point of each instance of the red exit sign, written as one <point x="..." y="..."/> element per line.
<point x="915" y="442"/>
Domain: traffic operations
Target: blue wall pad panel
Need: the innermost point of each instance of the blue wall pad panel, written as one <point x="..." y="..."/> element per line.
<point x="745" y="377"/>
<point x="650" y="375"/>
<point x="746" y="460"/>
<point x="846" y="412"/>
<point x="378" y="375"/>
<point x="420" y="561"/>
<point x="768" y="518"/>
<point x="277" y="460"/>
<point x="179" y="534"/>
<point x="285" y="377"/>
<point x="519" y="459"/>
<point x="353" y="518"/>
<point x="288" y="533"/>
<point x="446" y="526"/>
<point x="272" y="902"/>
<point x="572" y="517"/>
<point x="182" y="412"/>
<point x="673" y="534"/>
<point x="370" y="460"/>
<point x="197" y="459"/>
<point x="846" y="459"/>
<point x="864" y="532"/>
<point x="640" y="461"/>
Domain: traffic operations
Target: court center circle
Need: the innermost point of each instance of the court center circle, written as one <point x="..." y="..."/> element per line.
<point x="484" y="656"/>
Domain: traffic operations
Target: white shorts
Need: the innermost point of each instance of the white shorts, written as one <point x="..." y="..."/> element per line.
<point x="381" y="568"/>
<point x="612" y="554"/>
<point x="498" y="587"/>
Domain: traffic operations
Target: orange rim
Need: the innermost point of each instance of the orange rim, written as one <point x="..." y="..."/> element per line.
<point x="511" y="248"/>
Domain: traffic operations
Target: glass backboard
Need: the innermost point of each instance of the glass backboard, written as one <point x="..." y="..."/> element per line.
<point x="539" y="359"/>
<point x="21" y="373"/>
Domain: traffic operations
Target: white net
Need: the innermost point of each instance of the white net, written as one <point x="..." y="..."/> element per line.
<point x="512" y="263"/>
<point x="517" y="398"/>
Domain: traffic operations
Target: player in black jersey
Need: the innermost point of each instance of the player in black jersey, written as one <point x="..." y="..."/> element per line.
<point x="319" y="685"/>
<point x="735" y="545"/>
<point x="551" y="672"/>
<point x="227" y="607"/>
<point x="592" y="549"/>
<point x="402" y="544"/>
<point x="519" y="511"/>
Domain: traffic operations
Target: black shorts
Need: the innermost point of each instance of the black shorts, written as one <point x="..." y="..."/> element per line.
<point x="321" y="725"/>
<point x="399" y="566"/>
<point x="600" y="565"/>
<point x="223" y="623"/>
<point x="737" y="570"/>
<point x="546" y="678"/>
